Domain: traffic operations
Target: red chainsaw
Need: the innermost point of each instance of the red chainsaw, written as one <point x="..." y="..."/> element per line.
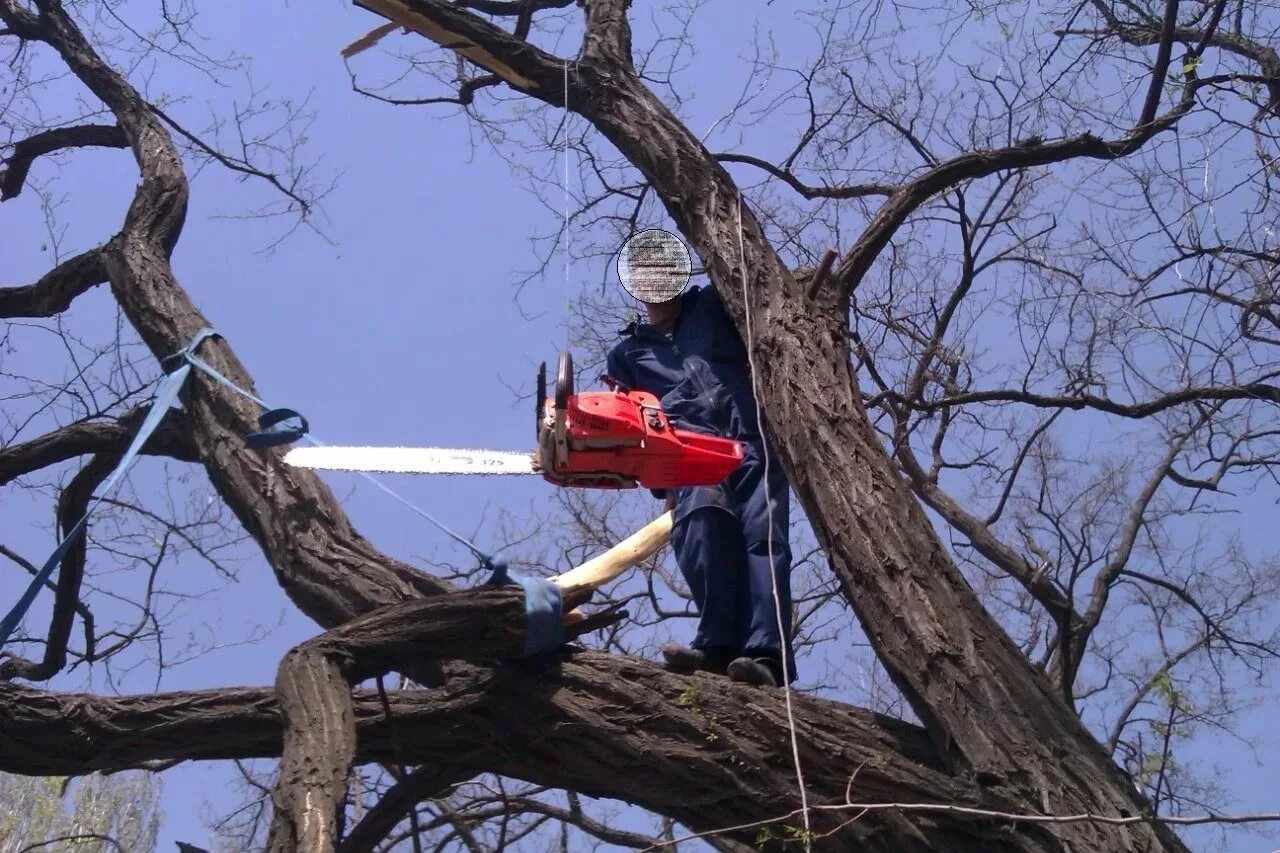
<point x="615" y="439"/>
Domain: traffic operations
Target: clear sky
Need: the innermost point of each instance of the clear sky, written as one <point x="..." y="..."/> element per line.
<point x="405" y="330"/>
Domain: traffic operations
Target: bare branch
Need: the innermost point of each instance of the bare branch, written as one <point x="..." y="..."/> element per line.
<point x="18" y="164"/>
<point x="56" y="289"/>
<point x="82" y="610"/>
<point x="72" y="505"/>
<point x="1252" y="391"/>
<point x="977" y="164"/>
<point x="172" y="438"/>
<point x="395" y="805"/>
<point x="521" y="65"/>
<point x="805" y="190"/>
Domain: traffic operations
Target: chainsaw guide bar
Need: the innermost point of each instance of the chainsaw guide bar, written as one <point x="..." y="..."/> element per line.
<point x="616" y="439"/>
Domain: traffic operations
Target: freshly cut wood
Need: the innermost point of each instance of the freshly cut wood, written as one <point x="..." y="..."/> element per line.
<point x="636" y="548"/>
<point x="399" y="12"/>
<point x="368" y="40"/>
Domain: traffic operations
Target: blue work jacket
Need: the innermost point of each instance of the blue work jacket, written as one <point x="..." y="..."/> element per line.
<point x="700" y="373"/>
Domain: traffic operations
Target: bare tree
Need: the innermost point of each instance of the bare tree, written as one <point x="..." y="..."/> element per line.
<point x="1053" y="642"/>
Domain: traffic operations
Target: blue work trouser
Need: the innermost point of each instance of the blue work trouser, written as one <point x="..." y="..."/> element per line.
<point x="722" y="543"/>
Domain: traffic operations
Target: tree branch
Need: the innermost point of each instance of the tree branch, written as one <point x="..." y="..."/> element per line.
<point x="1251" y="391"/>
<point x="21" y="22"/>
<point x="1041" y="587"/>
<point x="314" y="688"/>
<point x="1100" y="594"/>
<point x="805" y="190"/>
<point x="427" y="783"/>
<point x="606" y="38"/>
<point x="1161" y="67"/>
<point x="521" y="65"/>
<point x="1141" y="35"/>
<point x="978" y="164"/>
<point x="171" y="438"/>
<point x="56" y="289"/>
<point x="18" y="164"/>
<point x="513" y="8"/>
<point x="82" y="610"/>
<point x="72" y="505"/>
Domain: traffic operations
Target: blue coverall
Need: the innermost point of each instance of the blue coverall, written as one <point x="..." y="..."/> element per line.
<point x="720" y="534"/>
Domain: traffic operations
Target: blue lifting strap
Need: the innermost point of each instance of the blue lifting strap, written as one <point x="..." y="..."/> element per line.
<point x="166" y="395"/>
<point x="543" y="609"/>
<point x="268" y="437"/>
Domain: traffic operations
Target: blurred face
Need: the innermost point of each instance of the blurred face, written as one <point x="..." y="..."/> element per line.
<point x="654" y="266"/>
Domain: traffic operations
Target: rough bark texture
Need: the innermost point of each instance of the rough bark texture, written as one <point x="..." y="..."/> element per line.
<point x="56" y="289"/>
<point x="314" y="685"/>
<point x="703" y="750"/>
<point x="171" y="438"/>
<point x="988" y="709"/>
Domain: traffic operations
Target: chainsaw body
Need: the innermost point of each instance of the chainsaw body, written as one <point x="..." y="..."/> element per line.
<point x="621" y="439"/>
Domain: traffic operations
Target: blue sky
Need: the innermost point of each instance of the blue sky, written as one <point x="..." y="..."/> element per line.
<point x="404" y="330"/>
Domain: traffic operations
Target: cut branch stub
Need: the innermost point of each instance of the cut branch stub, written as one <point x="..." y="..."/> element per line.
<point x="636" y="548"/>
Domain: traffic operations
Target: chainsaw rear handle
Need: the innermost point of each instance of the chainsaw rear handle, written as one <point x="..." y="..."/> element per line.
<point x="563" y="390"/>
<point x="541" y="398"/>
<point x="564" y="380"/>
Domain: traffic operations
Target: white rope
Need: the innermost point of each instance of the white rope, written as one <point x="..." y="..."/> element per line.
<point x="777" y="599"/>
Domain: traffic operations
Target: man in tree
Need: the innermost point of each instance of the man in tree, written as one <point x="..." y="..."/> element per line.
<point x="730" y="540"/>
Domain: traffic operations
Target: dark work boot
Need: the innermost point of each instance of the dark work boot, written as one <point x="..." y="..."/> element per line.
<point x="680" y="658"/>
<point x="761" y="671"/>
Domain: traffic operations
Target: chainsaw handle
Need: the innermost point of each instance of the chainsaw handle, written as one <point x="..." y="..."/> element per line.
<point x="541" y="400"/>
<point x="564" y="380"/>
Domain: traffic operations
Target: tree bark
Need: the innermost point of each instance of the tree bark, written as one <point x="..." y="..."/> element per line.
<point x="314" y="684"/>
<point x="710" y="753"/>
<point x="171" y="439"/>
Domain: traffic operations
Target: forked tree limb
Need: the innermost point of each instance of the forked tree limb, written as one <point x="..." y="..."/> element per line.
<point x="315" y="680"/>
